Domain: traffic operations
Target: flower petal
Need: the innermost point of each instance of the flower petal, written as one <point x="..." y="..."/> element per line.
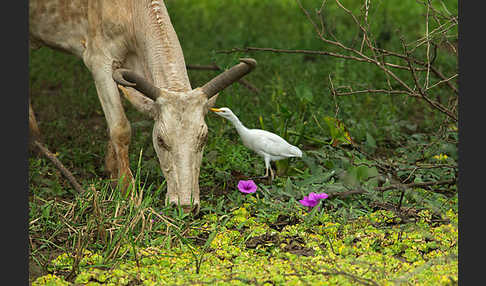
<point x="313" y="196"/>
<point x="322" y="196"/>
<point x="247" y="187"/>
<point x="308" y="202"/>
<point x="317" y="197"/>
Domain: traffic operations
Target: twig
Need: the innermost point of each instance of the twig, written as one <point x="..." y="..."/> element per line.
<point x="416" y="61"/>
<point x="414" y="90"/>
<point x="437" y="105"/>
<point x="442" y="81"/>
<point x="377" y="91"/>
<point x="427" y="77"/>
<point x="420" y="184"/>
<point x="391" y="187"/>
<point x="333" y="92"/>
<point x="311" y="52"/>
<point x="60" y="166"/>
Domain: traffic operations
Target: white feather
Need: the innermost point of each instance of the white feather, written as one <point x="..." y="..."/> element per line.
<point x="266" y="144"/>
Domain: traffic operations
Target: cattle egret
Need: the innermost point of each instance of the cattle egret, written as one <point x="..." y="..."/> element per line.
<point x="266" y="144"/>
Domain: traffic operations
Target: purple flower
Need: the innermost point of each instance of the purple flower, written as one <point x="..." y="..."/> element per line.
<point x="313" y="199"/>
<point x="247" y="187"/>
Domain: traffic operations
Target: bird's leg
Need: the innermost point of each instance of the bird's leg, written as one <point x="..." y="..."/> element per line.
<point x="267" y="166"/>
<point x="261" y="177"/>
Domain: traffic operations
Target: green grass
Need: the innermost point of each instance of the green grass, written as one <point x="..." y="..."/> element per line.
<point x="378" y="236"/>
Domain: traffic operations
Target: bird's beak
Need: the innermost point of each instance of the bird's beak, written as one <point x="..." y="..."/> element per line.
<point x="215" y="109"/>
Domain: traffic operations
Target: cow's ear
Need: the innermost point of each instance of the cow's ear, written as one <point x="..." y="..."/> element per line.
<point x="141" y="102"/>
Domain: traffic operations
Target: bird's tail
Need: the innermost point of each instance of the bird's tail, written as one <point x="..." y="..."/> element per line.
<point x="295" y="151"/>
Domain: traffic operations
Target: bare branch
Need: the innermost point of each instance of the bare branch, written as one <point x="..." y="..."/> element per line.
<point x="435" y="104"/>
<point x="333" y="92"/>
<point x="442" y="81"/>
<point x="310" y="52"/>
<point x="377" y="56"/>
<point x="393" y="187"/>
<point x="60" y="166"/>
<point x="377" y="91"/>
<point x="417" y="185"/>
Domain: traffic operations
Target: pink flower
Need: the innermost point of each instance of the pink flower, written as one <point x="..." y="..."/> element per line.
<point x="313" y="199"/>
<point x="247" y="187"/>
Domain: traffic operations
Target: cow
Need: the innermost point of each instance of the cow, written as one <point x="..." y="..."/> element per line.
<point x="131" y="46"/>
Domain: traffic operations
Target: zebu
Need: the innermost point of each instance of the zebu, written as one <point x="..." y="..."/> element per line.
<point x="133" y="43"/>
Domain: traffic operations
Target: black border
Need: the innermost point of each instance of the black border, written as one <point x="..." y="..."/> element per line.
<point x="471" y="145"/>
<point x="14" y="119"/>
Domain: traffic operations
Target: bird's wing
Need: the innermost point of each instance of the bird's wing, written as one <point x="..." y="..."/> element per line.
<point x="272" y="144"/>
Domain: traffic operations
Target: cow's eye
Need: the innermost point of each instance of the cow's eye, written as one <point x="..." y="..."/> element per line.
<point x="202" y="138"/>
<point x="161" y="143"/>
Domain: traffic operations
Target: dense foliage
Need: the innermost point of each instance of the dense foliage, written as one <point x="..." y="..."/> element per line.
<point x="387" y="161"/>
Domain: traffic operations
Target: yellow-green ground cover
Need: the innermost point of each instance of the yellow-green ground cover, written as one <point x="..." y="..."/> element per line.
<point x="380" y="248"/>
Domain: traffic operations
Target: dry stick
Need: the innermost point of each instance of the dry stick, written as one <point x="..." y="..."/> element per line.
<point x="393" y="186"/>
<point x="420" y="184"/>
<point x="333" y="92"/>
<point x="451" y="46"/>
<point x="441" y="29"/>
<point x="365" y="36"/>
<point x="365" y="32"/>
<point x="323" y="25"/>
<point x="379" y="64"/>
<point x="377" y="91"/>
<point x="77" y="257"/>
<point x="312" y="52"/>
<point x="428" y="44"/>
<point x="432" y="68"/>
<point x="435" y="104"/>
<point x="442" y="81"/>
<point x="365" y="58"/>
<point x="215" y="67"/>
<point x="372" y="48"/>
<point x="383" y="65"/>
<point x="60" y="166"/>
<point x="336" y="42"/>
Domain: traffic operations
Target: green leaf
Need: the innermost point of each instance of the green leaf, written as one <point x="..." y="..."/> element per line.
<point x="304" y="93"/>
<point x="370" y="141"/>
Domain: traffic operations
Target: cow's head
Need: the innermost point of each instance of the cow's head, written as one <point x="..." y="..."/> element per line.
<point x="180" y="132"/>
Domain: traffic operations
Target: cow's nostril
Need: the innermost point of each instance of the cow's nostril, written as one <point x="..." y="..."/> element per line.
<point x="194" y="209"/>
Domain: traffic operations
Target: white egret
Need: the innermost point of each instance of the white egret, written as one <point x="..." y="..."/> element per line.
<point x="266" y="144"/>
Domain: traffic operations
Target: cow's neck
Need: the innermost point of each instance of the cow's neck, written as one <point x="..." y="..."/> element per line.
<point x="138" y="33"/>
<point x="158" y="43"/>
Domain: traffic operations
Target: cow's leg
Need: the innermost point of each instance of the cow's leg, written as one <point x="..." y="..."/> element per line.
<point x="119" y="130"/>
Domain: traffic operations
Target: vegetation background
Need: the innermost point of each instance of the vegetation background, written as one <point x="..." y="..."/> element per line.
<point x="387" y="159"/>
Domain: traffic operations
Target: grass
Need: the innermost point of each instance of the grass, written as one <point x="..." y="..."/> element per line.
<point x="375" y="236"/>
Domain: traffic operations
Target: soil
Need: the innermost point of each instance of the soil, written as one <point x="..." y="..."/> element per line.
<point x="294" y="244"/>
<point x="282" y="221"/>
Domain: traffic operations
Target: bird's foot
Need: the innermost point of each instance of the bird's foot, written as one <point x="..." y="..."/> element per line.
<point x="267" y="177"/>
<point x="258" y="177"/>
